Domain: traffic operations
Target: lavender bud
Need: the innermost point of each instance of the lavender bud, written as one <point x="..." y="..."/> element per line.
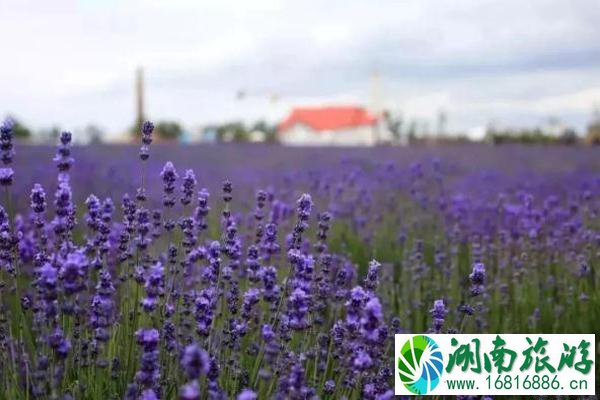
<point x="195" y="361"/>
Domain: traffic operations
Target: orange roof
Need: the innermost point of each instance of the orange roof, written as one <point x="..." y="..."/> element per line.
<point x="328" y="118"/>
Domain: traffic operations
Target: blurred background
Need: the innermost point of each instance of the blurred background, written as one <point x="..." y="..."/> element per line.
<point x="345" y="73"/>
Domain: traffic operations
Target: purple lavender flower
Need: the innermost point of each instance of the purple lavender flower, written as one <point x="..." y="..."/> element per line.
<point x="6" y="176"/>
<point x="6" y="138"/>
<point x="298" y="309"/>
<point x="233" y="245"/>
<point x="252" y="263"/>
<point x="59" y="343"/>
<point x="148" y="374"/>
<point x="362" y="361"/>
<point x="195" y="361"/>
<point x="324" y="225"/>
<point x="354" y="307"/>
<point x="131" y="392"/>
<point x="64" y="222"/>
<point x="251" y="298"/>
<point x="477" y="278"/>
<point x="47" y="283"/>
<point x="169" y="176"/>
<point x="438" y="313"/>
<point x="338" y="332"/>
<point x="63" y="158"/>
<point x="154" y="287"/>
<point x="261" y="198"/>
<point x="303" y="269"/>
<point x="267" y="333"/>
<point x="247" y="394"/>
<point x="372" y="326"/>
<point x="190" y="391"/>
<point x="148" y="394"/>
<point x="147" y="129"/>
<point x="142" y="238"/>
<point x="372" y="278"/>
<point x="294" y="385"/>
<point x="329" y="387"/>
<point x="227" y="190"/>
<point x="387" y="395"/>
<point x="270" y="245"/>
<point x="187" y="187"/>
<point x="102" y="307"/>
<point x="584" y="268"/>
<point x="271" y="290"/>
<point x="72" y="273"/>
<point x="466" y="309"/>
<point x="233" y="298"/>
<point x="147" y="338"/>
<point x="202" y="210"/>
<point x="63" y="200"/>
<point x="38" y="199"/>
<point x="304" y="208"/>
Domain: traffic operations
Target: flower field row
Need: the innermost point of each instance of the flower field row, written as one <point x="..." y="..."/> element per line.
<point x="256" y="272"/>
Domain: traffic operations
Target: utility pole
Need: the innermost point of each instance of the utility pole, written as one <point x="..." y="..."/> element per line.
<point x="376" y="106"/>
<point x="139" y="97"/>
<point x="441" y="122"/>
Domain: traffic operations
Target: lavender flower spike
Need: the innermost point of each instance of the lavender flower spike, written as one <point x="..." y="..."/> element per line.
<point x="6" y="176"/>
<point x="195" y="361"/>
<point x="438" y="313"/>
<point x="247" y="394"/>
<point x="147" y="129"/>
<point x="38" y="199"/>
<point x="477" y="278"/>
<point x="190" y="391"/>
<point x="6" y="141"/>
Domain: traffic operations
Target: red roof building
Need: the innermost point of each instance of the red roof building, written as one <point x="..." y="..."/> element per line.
<point x="336" y="125"/>
<point x="329" y="118"/>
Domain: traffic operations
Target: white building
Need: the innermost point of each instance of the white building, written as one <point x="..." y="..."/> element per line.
<point x="332" y="126"/>
<point x="257" y="136"/>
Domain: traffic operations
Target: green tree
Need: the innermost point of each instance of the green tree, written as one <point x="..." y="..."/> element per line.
<point x="232" y="132"/>
<point x="593" y="133"/>
<point x="394" y="124"/>
<point x="569" y="137"/>
<point x="593" y="130"/>
<point x="94" y="133"/>
<point x="412" y="132"/>
<point x="168" y="130"/>
<point x="269" y="130"/>
<point x="20" y="131"/>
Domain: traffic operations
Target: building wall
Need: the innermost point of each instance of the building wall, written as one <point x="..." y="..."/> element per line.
<point x="302" y="135"/>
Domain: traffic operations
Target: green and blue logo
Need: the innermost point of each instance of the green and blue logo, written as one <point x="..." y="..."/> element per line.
<point x="420" y="364"/>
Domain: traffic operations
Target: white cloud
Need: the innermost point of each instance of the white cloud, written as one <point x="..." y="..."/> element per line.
<point x="73" y="62"/>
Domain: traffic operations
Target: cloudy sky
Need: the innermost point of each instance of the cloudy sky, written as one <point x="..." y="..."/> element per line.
<point x="513" y="62"/>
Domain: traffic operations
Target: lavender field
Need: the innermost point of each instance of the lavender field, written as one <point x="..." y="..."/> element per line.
<point x="255" y="271"/>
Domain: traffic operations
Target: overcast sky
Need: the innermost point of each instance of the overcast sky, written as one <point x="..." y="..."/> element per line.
<point x="513" y="62"/>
